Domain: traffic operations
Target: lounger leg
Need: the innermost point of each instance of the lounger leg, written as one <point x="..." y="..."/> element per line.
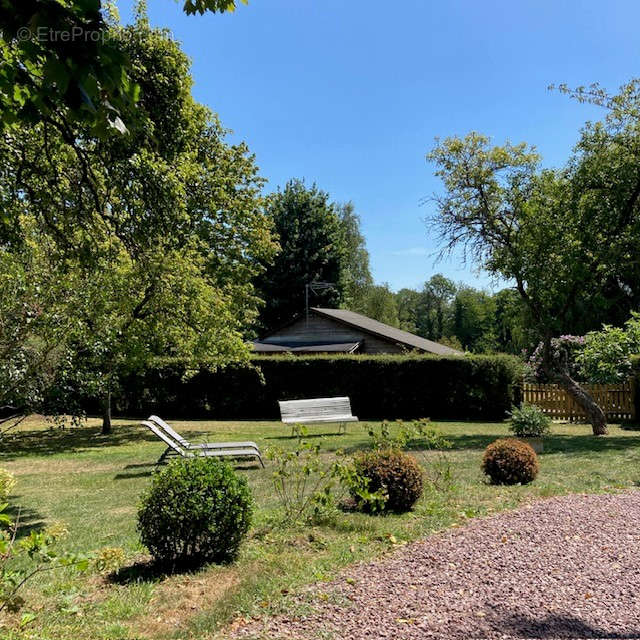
<point x="162" y="458"/>
<point x="260" y="458"/>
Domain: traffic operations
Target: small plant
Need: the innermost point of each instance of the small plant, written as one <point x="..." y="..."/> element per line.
<point x="510" y="461"/>
<point x="196" y="511"/>
<point x="7" y="483"/>
<point x="23" y="559"/>
<point x="419" y="433"/>
<point x="304" y="485"/>
<point x="391" y="475"/>
<point x="529" y="421"/>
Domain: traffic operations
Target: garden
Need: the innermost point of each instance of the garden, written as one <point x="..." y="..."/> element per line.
<point x="88" y="488"/>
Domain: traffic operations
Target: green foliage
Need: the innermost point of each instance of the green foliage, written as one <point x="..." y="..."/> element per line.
<point x="473" y="320"/>
<point x="309" y="231"/>
<point x="356" y="274"/>
<point x="510" y="461"/>
<point x="565" y="237"/>
<point x="23" y="559"/>
<point x="379" y="387"/>
<point x="196" y="511"/>
<point x="606" y="355"/>
<point x="202" y="6"/>
<point x="172" y="234"/>
<point x="7" y="483"/>
<point x="304" y="484"/>
<point x="392" y="473"/>
<point x="379" y="303"/>
<point x="417" y="433"/>
<point x="59" y="63"/>
<point x="529" y="421"/>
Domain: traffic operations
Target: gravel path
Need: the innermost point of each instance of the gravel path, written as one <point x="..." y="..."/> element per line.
<point x="560" y="568"/>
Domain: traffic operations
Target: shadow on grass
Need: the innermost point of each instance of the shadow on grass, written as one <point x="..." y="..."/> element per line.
<point x="151" y="571"/>
<point x="28" y="519"/>
<point x="40" y="442"/>
<point x="560" y="626"/>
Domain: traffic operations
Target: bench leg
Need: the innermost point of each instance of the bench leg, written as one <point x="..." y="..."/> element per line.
<point x="343" y="427"/>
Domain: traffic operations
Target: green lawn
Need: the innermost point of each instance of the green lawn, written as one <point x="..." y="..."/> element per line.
<point x="92" y="483"/>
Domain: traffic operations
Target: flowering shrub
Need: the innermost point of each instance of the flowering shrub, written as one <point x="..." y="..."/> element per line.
<point x="564" y="349"/>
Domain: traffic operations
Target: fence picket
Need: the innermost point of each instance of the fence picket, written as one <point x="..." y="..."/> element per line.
<point x="617" y="400"/>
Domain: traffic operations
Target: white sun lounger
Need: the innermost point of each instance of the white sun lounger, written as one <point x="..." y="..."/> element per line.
<point x="175" y="448"/>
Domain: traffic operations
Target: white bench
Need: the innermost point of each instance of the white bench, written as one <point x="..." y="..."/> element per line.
<point x="317" y="410"/>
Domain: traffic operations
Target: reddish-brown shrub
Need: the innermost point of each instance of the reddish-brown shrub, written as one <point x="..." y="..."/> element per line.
<point x="510" y="461"/>
<point x="396" y="473"/>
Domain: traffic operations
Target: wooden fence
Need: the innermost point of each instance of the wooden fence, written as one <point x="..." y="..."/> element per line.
<point x="617" y="400"/>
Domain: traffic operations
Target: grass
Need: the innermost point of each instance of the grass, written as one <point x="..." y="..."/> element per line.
<point x="92" y="483"/>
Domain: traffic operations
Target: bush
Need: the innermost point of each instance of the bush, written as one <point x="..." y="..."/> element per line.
<point x="395" y="474"/>
<point x="7" y="483"/>
<point x="196" y="511"/>
<point x="529" y="421"/>
<point x="384" y="386"/>
<point x="510" y="461"/>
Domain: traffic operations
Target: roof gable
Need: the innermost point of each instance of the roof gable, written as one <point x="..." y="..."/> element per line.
<point x="385" y="331"/>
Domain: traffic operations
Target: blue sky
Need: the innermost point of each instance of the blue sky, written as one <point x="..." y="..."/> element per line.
<point x="351" y="94"/>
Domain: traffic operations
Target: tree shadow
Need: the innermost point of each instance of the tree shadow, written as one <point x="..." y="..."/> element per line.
<point x="559" y="626"/>
<point x="28" y="519"/>
<point x="41" y="442"/>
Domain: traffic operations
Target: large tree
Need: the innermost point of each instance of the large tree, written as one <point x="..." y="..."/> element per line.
<point x="561" y="235"/>
<point x="308" y="229"/>
<point x="356" y="275"/>
<point x="58" y="63"/>
<point x="161" y="266"/>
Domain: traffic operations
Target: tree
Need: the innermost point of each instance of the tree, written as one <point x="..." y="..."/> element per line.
<point x="162" y="266"/>
<point x="473" y="320"/>
<point x="59" y="65"/>
<point x="408" y="301"/>
<point x="308" y="229"/>
<point x="511" y="323"/>
<point x="380" y="305"/>
<point x="356" y="275"/>
<point x="435" y="307"/>
<point x="559" y="235"/>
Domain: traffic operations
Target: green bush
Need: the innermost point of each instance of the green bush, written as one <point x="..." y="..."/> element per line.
<point x="529" y="421"/>
<point x="394" y="473"/>
<point x="196" y="511"/>
<point x="385" y="386"/>
<point x="510" y="461"/>
<point x="7" y="483"/>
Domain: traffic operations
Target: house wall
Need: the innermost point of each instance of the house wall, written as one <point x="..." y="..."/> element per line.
<point x="320" y="329"/>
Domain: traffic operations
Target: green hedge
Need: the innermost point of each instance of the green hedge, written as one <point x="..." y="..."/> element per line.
<point x="392" y="387"/>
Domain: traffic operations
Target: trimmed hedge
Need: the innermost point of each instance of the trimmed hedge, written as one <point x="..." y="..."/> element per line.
<point x="392" y="387"/>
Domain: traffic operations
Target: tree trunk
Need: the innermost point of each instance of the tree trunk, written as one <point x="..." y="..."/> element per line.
<point x="595" y="414"/>
<point x="558" y="370"/>
<point x="106" y="415"/>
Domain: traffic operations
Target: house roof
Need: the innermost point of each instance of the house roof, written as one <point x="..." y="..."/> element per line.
<point x="385" y="331"/>
<point x="341" y="347"/>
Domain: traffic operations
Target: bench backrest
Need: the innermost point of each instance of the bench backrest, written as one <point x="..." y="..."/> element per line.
<point x="315" y="408"/>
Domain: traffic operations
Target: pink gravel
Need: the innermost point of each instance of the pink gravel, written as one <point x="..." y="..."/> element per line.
<point x="565" y="567"/>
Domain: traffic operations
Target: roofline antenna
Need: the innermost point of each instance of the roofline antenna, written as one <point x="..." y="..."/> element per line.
<point x="314" y="287"/>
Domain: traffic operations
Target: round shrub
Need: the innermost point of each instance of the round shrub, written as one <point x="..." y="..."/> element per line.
<point x="510" y="461"/>
<point x="397" y="474"/>
<point x="196" y="511"/>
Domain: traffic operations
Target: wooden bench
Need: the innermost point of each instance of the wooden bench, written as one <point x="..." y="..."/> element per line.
<point x="317" y="410"/>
